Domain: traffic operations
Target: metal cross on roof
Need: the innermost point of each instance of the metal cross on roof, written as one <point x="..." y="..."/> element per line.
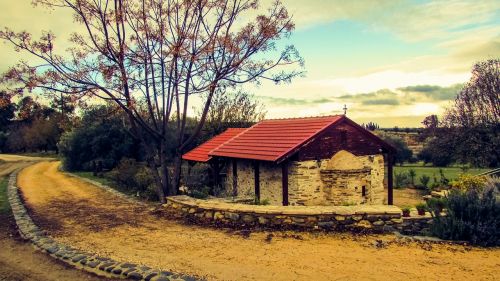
<point x="345" y="109"/>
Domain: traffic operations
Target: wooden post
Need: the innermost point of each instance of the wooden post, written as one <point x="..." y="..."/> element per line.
<point x="390" y="197"/>
<point x="235" y="178"/>
<point x="284" y="182"/>
<point x="257" y="180"/>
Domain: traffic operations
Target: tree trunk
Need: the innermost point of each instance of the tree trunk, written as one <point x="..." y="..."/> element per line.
<point x="177" y="173"/>
<point x="164" y="171"/>
<point x="158" y="183"/>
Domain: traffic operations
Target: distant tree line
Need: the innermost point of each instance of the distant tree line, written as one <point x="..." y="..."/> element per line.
<point x="469" y="132"/>
<point x="29" y="126"/>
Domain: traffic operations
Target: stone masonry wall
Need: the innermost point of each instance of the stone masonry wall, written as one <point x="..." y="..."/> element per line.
<point x="307" y="185"/>
<point x="271" y="183"/>
<point x="354" y="218"/>
<point x="314" y="182"/>
<point x="245" y="175"/>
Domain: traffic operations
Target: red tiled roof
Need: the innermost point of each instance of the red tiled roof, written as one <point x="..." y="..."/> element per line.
<point x="271" y="140"/>
<point x="200" y="153"/>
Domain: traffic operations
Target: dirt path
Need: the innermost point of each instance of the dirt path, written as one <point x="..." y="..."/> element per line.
<point x="19" y="261"/>
<point x="94" y="220"/>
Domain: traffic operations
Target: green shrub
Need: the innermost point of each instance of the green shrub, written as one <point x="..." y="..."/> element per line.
<point x="472" y="215"/>
<point x="436" y="204"/>
<point x="424" y="181"/>
<point x="134" y="177"/>
<point x="421" y="206"/>
<point x="200" y="192"/>
<point x="412" y="174"/>
<point x="401" y="179"/>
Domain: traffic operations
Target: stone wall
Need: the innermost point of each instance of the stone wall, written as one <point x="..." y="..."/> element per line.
<point x="336" y="181"/>
<point x="419" y="225"/>
<point x="353" y="218"/>
<point x="271" y="188"/>
<point x="245" y="176"/>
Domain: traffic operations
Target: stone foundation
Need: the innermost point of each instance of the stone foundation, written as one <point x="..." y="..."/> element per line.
<point x="377" y="218"/>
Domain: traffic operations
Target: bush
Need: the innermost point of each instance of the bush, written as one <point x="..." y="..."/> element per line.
<point x="97" y="139"/>
<point x="401" y="179"/>
<point x="467" y="181"/>
<point x="473" y="215"/>
<point x="200" y="192"/>
<point x="424" y="181"/>
<point x="134" y="177"/>
<point x="436" y="204"/>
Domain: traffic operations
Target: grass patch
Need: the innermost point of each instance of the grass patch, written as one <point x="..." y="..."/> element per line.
<point x="90" y="176"/>
<point x="450" y="173"/>
<point x="105" y="181"/>
<point x="49" y="154"/>
<point x="4" y="203"/>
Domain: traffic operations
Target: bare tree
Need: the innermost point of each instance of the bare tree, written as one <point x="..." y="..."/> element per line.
<point x="478" y="103"/>
<point x="235" y="109"/>
<point x="150" y="56"/>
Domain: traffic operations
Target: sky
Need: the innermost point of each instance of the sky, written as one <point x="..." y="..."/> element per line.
<point x="390" y="62"/>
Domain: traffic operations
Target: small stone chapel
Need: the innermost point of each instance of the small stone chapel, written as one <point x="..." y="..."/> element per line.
<point x="327" y="160"/>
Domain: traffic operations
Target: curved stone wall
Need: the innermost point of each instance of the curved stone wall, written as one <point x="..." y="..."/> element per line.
<point x="377" y="218"/>
<point x="89" y="262"/>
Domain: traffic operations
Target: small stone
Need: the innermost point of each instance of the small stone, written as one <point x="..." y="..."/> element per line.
<point x="150" y="275"/>
<point x="298" y="220"/>
<point x="364" y="224"/>
<point x="117" y="270"/>
<point x="232" y="216"/>
<point x="397" y="221"/>
<point x="378" y="223"/>
<point x="52" y="249"/>
<point x="263" y="220"/>
<point x="357" y="218"/>
<point x="192" y="211"/>
<point x="78" y="258"/>
<point x="91" y="264"/>
<point x="247" y="218"/>
<point x="209" y="215"/>
<point x="134" y="275"/>
<point x="218" y="216"/>
<point x="128" y="265"/>
<point x="340" y="218"/>
<point x="104" y="265"/>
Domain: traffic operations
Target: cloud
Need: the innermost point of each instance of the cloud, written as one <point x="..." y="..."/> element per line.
<point x="292" y="101"/>
<point x="380" y="102"/>
<point x="434" y="92"/>
<point x="409" y="20"/>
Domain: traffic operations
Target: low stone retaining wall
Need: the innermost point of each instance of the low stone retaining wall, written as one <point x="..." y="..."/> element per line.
<point x="89" y="262"/>
<point x="415" y="225"/>
<point x="378" y="218"/>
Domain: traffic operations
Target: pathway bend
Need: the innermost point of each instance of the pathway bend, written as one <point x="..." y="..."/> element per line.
<point x="94" y="220"/>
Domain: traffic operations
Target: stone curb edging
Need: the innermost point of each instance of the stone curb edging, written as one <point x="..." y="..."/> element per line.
<point x="91" y="263"/>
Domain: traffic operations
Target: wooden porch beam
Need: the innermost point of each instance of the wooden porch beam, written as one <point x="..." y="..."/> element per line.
<point x="390" y="197"/>
<point x="235" y="178"/>
<point x="257" y="179"/>
<point x="284" y="182"/>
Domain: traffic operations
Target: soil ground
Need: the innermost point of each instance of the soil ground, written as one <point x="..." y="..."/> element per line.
<point x="408" y="197"/>
<point x="95" y="220"/>
<point x="19" y="261"/>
